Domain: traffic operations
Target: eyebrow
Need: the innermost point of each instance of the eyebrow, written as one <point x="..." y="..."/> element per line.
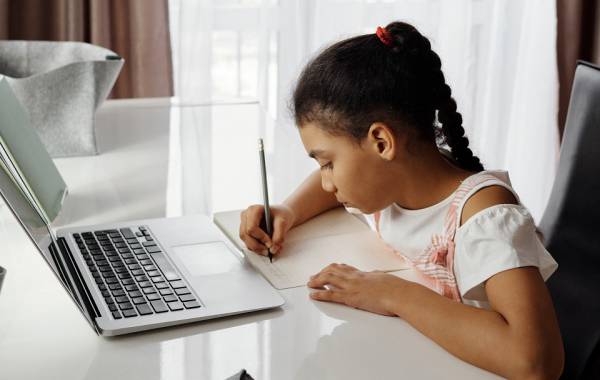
<point x="315" y="153"/>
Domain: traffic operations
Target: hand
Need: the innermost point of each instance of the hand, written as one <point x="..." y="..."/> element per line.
<point x="371" y="291"/>
<point x="255" y="238"/>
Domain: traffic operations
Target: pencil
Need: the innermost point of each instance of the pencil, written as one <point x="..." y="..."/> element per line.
<point x="263" y="171"/>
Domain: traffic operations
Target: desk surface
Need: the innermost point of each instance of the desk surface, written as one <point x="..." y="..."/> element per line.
<point x="43" y="336"/>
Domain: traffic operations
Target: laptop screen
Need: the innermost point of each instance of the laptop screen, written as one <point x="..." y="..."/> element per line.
<point x="29" y="218"/>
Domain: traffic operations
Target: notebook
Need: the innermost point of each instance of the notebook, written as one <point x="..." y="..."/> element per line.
<point x="335" y="236"/>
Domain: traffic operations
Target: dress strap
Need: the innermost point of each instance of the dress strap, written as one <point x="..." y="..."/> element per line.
<point x="466" y="189"/>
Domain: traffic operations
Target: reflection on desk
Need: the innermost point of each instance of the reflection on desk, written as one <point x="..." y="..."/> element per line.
<point x="43" y="336"/>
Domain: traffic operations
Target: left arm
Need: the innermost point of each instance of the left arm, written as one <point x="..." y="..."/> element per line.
<point x="519" y="338"/>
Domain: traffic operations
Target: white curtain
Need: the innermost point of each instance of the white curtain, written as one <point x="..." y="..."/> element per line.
<point x="498" y="57"/>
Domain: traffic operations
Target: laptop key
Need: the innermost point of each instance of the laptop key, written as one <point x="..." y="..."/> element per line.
<point x="116" y="315"/>
<point x="122" y="299"/>
<point x="164" y="292"/>
<point x="174" y="306"/>
<point x="135" y="293"/>
<point x="153" y="249"/>
<point x="139" y="251"/>
<point x="145" y="284"/>
<point x="112" y="307"/>
<point x="127" y="233"/>
<point x="191" y="304"/>
<point x="162" y="285"/>
<point x="149" y="290"/>
<point x="159" y="306"/>
<point x="178" y="284"/>
<point x="127" y="281"/>
<point x="153" y="273"/>
<point x="182" y="291"/>
<point x="131" y="287"/>
<point x="157" y="279"/>
<point x="144" y="309"/>
<point x="186" y="297"/>
<point x="119" y="292"/>
<point x="146" y="261"/>
<point x="129" y="313"/>
<point x="153" y="297"/>
<point x="125" y="306"/>
<point x="138" y="300"/>
<point x="170" y="298"/>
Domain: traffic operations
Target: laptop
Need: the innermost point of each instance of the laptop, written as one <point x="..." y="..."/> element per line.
<point x="139" y="275"/>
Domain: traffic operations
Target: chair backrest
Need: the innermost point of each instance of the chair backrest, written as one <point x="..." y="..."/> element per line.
<point x="571" y="227"/>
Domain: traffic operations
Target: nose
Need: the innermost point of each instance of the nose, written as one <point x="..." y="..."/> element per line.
<point x="327" y="182"/>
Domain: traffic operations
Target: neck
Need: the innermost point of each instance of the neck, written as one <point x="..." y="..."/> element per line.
<point x="426" y="178"/>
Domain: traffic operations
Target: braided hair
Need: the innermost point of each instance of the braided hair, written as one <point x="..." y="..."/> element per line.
<point x="397" y="80"/>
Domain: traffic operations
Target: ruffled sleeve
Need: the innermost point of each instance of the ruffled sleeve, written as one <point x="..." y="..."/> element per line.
<point x="496" y="239"/>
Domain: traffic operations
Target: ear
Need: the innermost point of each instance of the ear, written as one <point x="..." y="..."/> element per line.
<point x="382" y="140"/>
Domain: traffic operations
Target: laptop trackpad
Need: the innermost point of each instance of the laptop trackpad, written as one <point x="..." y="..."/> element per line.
<point x="206" y="258"/>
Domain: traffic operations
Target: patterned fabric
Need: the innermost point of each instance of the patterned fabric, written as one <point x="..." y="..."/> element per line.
<point x="435" y="265"/>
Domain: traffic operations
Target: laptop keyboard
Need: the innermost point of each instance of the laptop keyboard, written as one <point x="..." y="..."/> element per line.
<point x="133" y="274"/>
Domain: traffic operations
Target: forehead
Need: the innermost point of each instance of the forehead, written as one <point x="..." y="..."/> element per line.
<point x="318" y="142"/>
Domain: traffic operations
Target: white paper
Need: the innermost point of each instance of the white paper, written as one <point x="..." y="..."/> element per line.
<point x="333" y="237"/>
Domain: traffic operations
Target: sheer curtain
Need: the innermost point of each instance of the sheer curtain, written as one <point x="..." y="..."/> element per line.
<point x="499" y="58"/>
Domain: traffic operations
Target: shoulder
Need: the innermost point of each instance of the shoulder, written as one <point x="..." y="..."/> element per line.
<point x="486" y="197"/>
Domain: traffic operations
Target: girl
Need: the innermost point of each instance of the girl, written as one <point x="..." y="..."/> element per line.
<point x="373" y="111"/>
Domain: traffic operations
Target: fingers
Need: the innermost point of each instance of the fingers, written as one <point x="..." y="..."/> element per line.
<point x="327" y="295"/>
<point x="337" y="280"/>
<point x="250" y="232"/>
<point x="281" y="226"/>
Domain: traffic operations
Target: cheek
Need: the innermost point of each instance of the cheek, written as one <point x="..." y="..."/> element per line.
<point x="360" y="183"/>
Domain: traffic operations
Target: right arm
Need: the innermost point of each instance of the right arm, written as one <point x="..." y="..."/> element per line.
<point x="307" y="201"/>
<point x="310" y="199"/>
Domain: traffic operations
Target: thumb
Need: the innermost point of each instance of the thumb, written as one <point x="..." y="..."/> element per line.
<point x="280" y="228"/>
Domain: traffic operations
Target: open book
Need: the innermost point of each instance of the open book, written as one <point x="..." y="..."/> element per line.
<point x="25" y="159"/>
<point x="332" y="237"/>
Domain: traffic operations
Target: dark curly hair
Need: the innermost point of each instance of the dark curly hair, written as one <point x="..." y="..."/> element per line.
<point x="361" y="80"/>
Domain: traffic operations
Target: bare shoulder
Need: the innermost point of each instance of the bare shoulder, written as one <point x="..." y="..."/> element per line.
<point x="484" y="198"/>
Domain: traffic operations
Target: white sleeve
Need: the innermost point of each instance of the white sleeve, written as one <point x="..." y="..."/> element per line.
<point x="496" y="239"/>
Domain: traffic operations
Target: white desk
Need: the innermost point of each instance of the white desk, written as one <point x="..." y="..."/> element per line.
<point x="43" y="336"/>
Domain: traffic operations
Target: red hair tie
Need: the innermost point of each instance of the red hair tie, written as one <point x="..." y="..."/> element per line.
<point x="384" y="36"/>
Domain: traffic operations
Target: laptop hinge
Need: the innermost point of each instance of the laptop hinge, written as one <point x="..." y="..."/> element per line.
<point x="75" y="282"/>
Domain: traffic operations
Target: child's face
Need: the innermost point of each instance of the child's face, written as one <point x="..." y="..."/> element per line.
<point x="354" y="173"/>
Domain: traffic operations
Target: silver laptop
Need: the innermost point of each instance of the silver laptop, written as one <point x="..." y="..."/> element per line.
<point x="146" y="274"/>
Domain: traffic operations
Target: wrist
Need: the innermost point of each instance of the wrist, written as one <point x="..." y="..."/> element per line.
<point x="292" y="214"/>
<point x="398" y="295"/>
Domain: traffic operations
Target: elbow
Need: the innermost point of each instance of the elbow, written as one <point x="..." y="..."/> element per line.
<point x="539" y="363"/>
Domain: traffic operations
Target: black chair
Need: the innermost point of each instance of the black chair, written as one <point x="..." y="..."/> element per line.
<point x="571" y="228"/>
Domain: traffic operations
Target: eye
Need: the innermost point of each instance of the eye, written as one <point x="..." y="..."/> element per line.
<point x="327" y="166"/>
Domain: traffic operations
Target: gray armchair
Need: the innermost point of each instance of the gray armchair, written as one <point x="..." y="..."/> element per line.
<point x="571" y="228"/>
